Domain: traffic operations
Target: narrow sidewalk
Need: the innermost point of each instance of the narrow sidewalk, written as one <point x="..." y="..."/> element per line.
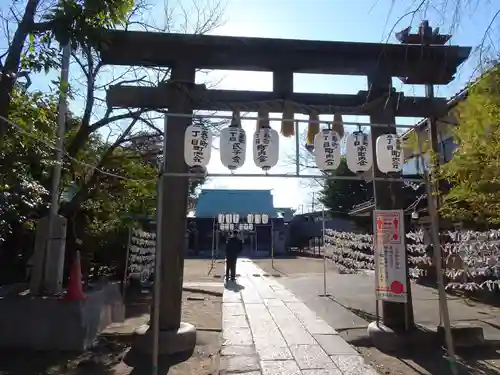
<point x="268" y="331"/>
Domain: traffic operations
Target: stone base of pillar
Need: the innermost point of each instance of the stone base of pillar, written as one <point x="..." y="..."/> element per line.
<point x="171" y="344"/>
<point x="386" y="340"/>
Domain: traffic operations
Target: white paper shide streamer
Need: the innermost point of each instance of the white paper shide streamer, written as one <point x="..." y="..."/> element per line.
<point x="327" y="150"/>
<point x="233" y="146"/>
<point x="359" y="155"/>
<point x="197" y="145"/>
<point x="389" y="151"/>
<point x="266" y="148"/>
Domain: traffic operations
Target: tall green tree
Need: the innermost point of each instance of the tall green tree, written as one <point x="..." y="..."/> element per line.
<point x="98" y="138"/>
<point x="96" y="225"/>
<point x="340" y="196"/>
<point x="474" y="170"/>
<point x="38" y="30"/>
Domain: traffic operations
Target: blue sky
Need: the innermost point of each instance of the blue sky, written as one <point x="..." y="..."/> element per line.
<point x="347" y="20"/>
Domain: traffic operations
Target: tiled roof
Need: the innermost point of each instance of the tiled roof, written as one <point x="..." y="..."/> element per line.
<point x="212" y="202"/>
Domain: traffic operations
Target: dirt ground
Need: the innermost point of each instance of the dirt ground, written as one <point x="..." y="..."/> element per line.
<point x="293" y="266"/>
<point x="201" y="306"/>
<point x="201" y="270"/>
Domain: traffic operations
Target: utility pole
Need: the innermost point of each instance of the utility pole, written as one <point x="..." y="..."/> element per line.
<point x="426" y="37"/>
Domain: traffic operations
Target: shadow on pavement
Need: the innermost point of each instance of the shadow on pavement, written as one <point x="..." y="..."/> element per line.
<point x="233" y="286"/>
<point x="142" y="363"/>
<point x="427" y="352"/>
<point x="99" y="360"/>
<point x="432" y="358"/>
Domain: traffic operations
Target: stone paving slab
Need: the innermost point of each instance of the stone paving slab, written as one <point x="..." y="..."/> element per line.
<point x="268" y="331"/>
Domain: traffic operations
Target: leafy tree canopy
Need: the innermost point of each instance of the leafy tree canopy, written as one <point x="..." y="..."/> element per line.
<point x="474" y="170"/>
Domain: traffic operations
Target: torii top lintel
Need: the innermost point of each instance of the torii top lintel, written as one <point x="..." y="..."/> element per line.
<point x="427" y="64"/>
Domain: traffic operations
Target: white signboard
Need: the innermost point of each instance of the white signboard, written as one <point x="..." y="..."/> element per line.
<point x="390" y="267"/>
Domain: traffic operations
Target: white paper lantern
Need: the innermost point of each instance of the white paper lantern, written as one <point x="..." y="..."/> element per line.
<point x="197" y="145"/>
<point x="358" y="152"/>
<point x="257" y="218"/>
<point x="266" y="148"/>
<point x="327" y="150"/>
<point x="265" y="219"/>
<point x="231" y="226"/>
<point x="229" y="218"/>
<point x="236" y="218"/>
<point x="389" y="152"/>
<point x="245" y="226"/>
<point x="220" y="218"/>
<point x="226" y="226"/>
<point x="250" y="226"/>
<point x="221" y="226"/>
<point x="232" y="147"/>
<point x="249" y="218"/>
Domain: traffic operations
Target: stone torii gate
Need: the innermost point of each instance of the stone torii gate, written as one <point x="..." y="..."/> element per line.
<point x="184" y="54"/>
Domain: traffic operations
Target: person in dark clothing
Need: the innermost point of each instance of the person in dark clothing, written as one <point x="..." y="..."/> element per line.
<point x="233" y="248"/>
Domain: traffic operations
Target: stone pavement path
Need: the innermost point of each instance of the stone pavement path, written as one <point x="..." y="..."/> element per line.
<point x="268" y="331"/>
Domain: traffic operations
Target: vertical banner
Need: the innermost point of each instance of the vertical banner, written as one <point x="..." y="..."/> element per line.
<point x="390" y="267"/>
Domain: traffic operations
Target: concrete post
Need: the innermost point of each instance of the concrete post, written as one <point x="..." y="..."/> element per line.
<point x="54" y="258"/>
<point x="48" y="264"/>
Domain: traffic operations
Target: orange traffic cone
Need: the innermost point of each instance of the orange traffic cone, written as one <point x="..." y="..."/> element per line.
<point x="75" y="290"/>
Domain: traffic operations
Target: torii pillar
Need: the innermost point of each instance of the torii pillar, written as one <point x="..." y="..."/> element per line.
<point x="175" y="337"/>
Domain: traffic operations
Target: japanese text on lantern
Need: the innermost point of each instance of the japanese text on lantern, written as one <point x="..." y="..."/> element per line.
<point x="394" y="146"/>
<point x="361" y="144"/>
<point x="237" y="138"/>
<point x="330" y="145"/>
<point x="199" y="142"/>
<point x="262" y="145"/>
<point x="390" y="268"/>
